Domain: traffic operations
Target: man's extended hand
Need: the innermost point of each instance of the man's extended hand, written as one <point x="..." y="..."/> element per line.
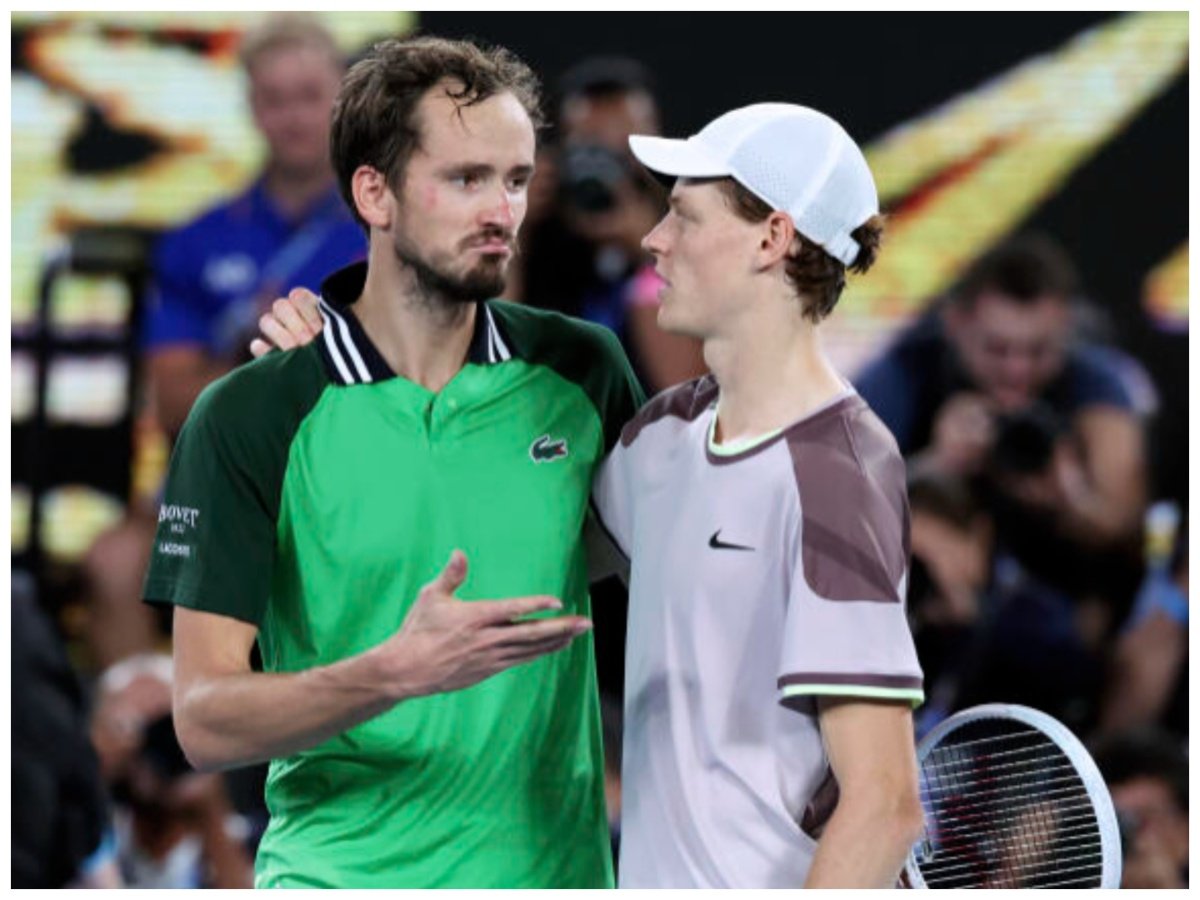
<point x="292" y="321"/>
<point x="446" y="644"/>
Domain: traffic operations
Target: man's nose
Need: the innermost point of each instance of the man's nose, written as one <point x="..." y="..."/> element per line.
<point x="501" y="212"/>
<point x="652" y="242"/>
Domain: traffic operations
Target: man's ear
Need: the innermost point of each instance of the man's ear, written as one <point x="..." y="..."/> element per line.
<point x="373" y="198"/>
<point x="778" y="239"/>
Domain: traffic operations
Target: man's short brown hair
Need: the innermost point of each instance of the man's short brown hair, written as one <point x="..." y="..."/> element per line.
<point x="817" y="277"/>
<point x="290" y="29"/>
<point x="1024" y="268"/>
<point x="373" y="116"/>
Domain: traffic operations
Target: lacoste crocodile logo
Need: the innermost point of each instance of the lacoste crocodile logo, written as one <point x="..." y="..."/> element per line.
<point x="544" y="449"/>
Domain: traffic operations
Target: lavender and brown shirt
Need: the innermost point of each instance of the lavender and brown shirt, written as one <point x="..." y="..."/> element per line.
<point x="763" y="576"/>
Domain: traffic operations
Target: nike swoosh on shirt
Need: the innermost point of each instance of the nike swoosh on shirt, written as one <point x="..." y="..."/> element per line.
<point x="717" y="544"/>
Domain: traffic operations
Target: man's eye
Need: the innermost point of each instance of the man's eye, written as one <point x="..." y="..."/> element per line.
<point x="467" y="180"/>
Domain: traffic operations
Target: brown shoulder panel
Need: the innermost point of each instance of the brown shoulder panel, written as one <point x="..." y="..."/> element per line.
<point x="684" y="401"/>
<point x="854" y="505"/>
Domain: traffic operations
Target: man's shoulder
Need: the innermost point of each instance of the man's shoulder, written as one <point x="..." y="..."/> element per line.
<point x="851" y="486"/>
<point x="848" y="449"/>
<point x="684" y="402"/>
<point x="273" y="389"/>
<point x="536" y="333"/>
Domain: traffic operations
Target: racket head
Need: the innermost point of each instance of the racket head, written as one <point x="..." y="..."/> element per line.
<point x="1012" y="798"/>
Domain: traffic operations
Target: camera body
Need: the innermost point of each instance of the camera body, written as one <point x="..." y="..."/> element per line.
<point x="1025" y="440"/>
<point x="591" y="176"/>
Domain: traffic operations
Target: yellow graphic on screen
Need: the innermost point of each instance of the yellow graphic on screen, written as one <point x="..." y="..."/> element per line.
<point x="968" y="172"/>
<point x="1166" y="290"/>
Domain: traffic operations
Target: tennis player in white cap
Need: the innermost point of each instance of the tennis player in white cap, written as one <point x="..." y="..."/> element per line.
<point x="770" y="671"/>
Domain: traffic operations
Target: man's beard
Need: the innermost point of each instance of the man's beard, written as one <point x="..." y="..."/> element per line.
<point x="483" y="282"/>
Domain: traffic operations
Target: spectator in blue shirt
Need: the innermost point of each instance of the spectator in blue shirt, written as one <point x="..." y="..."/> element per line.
<point x="996" y="389"/>
<point x="993" y="380"/>
<point x="214" y="276"/>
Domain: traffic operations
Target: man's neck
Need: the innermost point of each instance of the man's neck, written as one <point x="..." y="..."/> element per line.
<point x="294" y="191"/>
<point x="423" y="339"/>
<point x="772" y="371"/>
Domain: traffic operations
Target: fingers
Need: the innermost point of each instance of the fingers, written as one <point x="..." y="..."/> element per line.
<point x="530" y="652"/>
<point x="259" y="347"/>
<point x="276" y="333"/>
<point x="305" y="302"/>
<point x="452" y="576"/>
<point x="289" y="317"/>
<point x="524" y="634"/>
<point x="502" y="612"/>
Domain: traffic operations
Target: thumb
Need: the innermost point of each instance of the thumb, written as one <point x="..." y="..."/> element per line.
<point x="453" y="575"/>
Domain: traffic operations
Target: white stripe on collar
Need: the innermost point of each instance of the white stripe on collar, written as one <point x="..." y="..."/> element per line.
<point x="502" y="352"/>
<point x="331" y="345"/>
<point x="344" y="331"/>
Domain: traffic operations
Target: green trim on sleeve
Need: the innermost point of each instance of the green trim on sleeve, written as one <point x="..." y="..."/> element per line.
<point x="915" y="697"/>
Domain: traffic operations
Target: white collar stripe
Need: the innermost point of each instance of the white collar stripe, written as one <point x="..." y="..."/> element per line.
<point x="344" y="332"/>
<point x="331" y="345"/>
<point x="491" y="340"/>
<point x="502" y="352"/>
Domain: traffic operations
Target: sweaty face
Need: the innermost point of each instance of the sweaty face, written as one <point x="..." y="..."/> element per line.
<point x="703" y="251"/>
<point x="463" y="196"/>
<point x="292" y="90"/>
<point x="1011" y="350"/>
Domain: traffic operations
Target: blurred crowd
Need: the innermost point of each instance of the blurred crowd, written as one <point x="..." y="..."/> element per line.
<point x="1042" y="571"/>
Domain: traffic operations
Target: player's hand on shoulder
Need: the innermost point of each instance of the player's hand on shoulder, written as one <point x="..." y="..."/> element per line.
<point x="291" y="321"/>
<point x="447" y="644"/>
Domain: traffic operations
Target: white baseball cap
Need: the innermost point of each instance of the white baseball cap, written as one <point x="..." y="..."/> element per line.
<point x="795" y="159"/>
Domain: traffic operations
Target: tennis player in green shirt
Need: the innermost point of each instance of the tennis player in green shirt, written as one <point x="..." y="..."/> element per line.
<point x="324" y="503"/>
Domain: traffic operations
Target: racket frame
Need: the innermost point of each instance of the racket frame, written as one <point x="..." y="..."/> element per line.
<point x="1072" y="748"/>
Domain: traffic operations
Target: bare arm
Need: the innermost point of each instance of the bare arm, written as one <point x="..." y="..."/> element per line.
<point x="878" y="815"/>
<point x="227" y="715"/>
<point x="1146" y="663"/>
<point x="1107" y="503"/>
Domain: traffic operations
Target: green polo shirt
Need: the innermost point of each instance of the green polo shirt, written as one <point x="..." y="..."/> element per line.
<point x="312" y="493"/>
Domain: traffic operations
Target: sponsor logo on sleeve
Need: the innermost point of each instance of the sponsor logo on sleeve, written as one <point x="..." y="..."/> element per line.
<point x="175" y="523"/>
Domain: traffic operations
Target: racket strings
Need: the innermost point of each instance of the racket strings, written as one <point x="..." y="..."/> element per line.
<point x="1006" y="810"/>
<point x="963" y="809"/>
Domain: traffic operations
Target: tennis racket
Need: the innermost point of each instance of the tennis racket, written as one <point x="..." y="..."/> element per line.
<point x="1012" y="800"/>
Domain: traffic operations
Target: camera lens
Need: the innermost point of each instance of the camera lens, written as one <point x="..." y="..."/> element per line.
<point x="591" y="174"/>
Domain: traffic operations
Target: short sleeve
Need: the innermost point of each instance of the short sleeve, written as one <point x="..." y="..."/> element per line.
<point x="1098" y="376"/>
<point x="214" y="549"/>
<point x="845" y="629"/>
<point x="851" y="648"/>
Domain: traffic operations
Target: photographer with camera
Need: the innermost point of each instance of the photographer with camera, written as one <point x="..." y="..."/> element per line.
<point x="993" y="382"/>
<point x="995" y="386"/>
<point x="175" y="827"/>
<point x="585" y="257"/>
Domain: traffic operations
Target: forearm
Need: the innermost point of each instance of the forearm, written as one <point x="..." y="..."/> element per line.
<point x="230" y="720"/>
<point x="1095" y="518"/>
<point x="864" y="845"/>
